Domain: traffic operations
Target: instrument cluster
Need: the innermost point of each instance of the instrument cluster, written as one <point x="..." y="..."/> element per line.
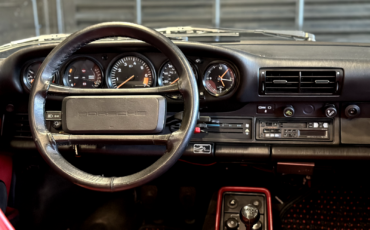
<point x="134" y="70"/>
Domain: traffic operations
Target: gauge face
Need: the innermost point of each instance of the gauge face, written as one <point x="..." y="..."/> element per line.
<point x="131" y="72"/>
<point x="169" y="76"/>
<point x="219" y="79"/>
<point x="30" y="74"/>
<point x="83" y="73"/>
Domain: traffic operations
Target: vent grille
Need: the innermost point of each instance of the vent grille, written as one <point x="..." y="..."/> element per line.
<point x="282" y="81"/>
<point x="300" y="81"/>
<point x="18" y="125"/>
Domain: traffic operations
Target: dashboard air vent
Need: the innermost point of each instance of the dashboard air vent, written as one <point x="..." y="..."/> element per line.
<point x="282" y="81"/>
<point x="320" y="82"/>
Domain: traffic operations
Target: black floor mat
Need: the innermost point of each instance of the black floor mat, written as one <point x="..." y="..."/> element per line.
<point x="329" y="208"/>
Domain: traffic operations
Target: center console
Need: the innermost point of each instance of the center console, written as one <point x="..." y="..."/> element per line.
<point x="244" y="208"/>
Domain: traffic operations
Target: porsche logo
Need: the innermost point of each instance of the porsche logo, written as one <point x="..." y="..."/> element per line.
<point x="112" y="113"/>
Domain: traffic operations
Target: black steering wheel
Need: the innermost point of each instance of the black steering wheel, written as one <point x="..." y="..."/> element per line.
<point x="176" y="142"/>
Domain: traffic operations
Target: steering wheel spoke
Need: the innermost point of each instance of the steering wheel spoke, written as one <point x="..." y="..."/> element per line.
<point x="56" y="89"/>
<point x="112" y="139"/>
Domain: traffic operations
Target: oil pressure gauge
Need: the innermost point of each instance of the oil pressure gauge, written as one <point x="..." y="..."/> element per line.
<point x="219" y="79"/>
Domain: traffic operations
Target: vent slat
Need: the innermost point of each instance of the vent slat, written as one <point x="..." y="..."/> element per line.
<point x="278" y="82"/>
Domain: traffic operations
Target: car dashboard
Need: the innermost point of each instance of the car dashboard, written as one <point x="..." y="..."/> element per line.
<point x="259" y="100"/>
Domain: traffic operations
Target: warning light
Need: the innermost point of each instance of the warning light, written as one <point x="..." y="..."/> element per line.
<point x="146" y="81"/>
<point x="83" y="70"/>
<point x="70" y="70"/>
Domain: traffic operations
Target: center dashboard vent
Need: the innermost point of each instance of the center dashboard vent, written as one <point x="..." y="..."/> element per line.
<point x="320" y="82"/>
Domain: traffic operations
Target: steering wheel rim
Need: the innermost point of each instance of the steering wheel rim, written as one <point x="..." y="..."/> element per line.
<point x="176" y="142"/>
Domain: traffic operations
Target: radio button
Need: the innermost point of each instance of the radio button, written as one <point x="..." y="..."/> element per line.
<point x="325" y="125"/>
<point x="277" y="135"/>
<point x="266" y="130"/>
<point x="268" y="135"/>
<point x="315" y="125"/>
<point x="310" y="125"/>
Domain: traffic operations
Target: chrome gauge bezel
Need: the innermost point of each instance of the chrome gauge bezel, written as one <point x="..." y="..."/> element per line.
<point x="108" y="79"/>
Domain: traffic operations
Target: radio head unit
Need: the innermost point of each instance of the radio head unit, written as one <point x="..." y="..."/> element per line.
<point x="319" y="129"/>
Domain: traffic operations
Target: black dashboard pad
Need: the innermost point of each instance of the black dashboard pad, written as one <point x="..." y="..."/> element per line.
<point x="114" y="114"/>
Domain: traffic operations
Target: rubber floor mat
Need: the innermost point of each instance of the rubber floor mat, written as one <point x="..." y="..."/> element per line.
<point x="330" y="209"/>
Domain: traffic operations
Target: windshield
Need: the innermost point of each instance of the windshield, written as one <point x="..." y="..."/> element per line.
<point x="333" y="21"/>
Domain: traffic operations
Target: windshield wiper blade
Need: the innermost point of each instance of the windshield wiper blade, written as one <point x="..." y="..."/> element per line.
<point x="187" y="32"/>
<point x="42" y="38"/>
<point x="290" y="34"/>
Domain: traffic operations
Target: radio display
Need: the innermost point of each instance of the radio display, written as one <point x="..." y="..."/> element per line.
<point x="312" y="132"/>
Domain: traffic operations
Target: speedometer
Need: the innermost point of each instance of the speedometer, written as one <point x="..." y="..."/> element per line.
<point x="169" y="76"/>
<point x="132" y="71"/>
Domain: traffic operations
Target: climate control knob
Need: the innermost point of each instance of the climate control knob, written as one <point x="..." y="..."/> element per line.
<point x="289" y="111"/>
<point x="330" y="111"/>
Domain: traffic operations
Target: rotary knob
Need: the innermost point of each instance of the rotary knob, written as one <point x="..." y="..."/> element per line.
<point x="331" y="111"/>
<point x="289" y="111"/>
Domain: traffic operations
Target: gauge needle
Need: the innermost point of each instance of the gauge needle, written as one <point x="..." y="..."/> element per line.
<point x="223" y="75"/>
<point x="32" y="81"/>
<point x="221" y="81"/>
<point x="125" y="81"/>
<point x="174" y="81"/>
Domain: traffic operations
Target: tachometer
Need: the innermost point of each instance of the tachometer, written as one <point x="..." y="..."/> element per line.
<point x="133" y="71"/>
<point x="83" y="72"/>
<point x="219" y="79"/>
